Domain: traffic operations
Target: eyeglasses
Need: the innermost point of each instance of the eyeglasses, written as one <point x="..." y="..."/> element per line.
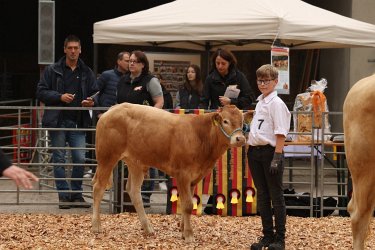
<point x="264" y="82"/>
<point x="133" y="61"/>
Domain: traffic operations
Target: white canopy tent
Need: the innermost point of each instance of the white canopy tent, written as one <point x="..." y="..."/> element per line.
<point x="237" y="25"/>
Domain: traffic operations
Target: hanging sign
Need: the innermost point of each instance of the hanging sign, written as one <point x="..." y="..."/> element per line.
<point x="280" y="59"/>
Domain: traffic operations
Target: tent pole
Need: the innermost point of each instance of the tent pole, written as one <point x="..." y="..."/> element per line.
<point x="207" y="66"/>
<point x="95" y="67"/>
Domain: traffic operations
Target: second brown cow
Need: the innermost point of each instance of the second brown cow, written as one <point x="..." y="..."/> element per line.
<point x="185" y="147"/>
<point x="359" y="130"/>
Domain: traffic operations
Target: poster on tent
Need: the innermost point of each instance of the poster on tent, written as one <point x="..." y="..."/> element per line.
<point x="280" y="59"/>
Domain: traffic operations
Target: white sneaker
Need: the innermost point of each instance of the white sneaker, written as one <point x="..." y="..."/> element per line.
<point x="163" y="186"/>
<point x="88" y="174"/>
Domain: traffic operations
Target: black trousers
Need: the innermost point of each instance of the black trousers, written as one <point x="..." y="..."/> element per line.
<point x="269" y="189"/>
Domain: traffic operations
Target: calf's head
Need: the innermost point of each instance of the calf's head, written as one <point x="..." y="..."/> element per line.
<point x="230" y="121"/>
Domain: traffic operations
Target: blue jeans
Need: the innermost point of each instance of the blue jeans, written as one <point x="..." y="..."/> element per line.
<point x="74" y="139"/>
<point x="149" y="185"/>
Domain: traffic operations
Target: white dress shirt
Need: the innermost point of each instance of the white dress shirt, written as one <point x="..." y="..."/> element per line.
<point x="271" y="118"/>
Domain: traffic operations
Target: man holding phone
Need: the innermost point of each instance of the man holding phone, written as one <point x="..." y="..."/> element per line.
<point x="68" y="83"/>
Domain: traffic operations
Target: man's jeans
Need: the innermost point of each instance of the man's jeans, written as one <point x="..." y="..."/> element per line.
<point x="75" y="139"/>
<point x="149" y="185"/>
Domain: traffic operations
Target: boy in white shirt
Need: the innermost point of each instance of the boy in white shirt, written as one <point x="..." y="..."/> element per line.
<point x="268" y="129"/>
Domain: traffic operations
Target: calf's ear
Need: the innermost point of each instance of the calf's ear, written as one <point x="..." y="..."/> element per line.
<point x="217" y="119"/>
<point x="248" y="116"/>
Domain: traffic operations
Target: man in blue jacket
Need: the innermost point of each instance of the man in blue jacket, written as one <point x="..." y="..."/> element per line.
<point x="68" y="83"/>
<point x="108" y="80"/>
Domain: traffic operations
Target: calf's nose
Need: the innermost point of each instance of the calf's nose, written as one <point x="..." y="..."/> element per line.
<point x="240" y="140"/>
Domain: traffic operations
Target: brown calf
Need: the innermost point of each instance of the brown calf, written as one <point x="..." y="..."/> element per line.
<point x="359" y="131"/>
<point x="183" y="146"/>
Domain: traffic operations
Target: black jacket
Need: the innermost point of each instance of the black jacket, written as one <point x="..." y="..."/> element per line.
<point x="4" y="162"/>
<point x="168" y="100"/>
<point x="216" y="85"/>
<point x="51" y="87"/>
<point x="136" y="91"/>
<point x="189" y="99"/>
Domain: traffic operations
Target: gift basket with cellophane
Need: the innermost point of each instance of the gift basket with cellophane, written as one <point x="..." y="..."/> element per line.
<point x="313" y="100"/>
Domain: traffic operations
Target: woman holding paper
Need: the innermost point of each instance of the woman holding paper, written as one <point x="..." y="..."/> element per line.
<point x="225" y="84"/>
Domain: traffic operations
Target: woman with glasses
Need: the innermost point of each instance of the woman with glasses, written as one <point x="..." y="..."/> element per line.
<point x="139" y="86"/>
<point x="224" y="73"/>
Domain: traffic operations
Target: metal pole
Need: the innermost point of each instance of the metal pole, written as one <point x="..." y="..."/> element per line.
<point x="95" y="67"/>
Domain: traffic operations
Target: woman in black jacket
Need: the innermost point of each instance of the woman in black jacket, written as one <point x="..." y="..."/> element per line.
<point x="190" y="94"/>
<point x="224" y="73"/>
<point x="139" y="86"/>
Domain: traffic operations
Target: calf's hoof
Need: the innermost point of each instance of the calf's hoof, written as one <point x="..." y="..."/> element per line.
<point x="189" y="238"/>
<point x="96" y="228"/>
<point x="149" y="230"/>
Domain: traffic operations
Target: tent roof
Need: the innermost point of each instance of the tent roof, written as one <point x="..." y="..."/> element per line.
<point x="237" y="25"/>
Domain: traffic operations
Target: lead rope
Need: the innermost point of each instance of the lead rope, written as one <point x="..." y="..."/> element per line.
<point x="225" y="133"/>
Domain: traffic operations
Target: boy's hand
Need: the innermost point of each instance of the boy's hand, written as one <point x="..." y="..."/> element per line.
<point x="276" y="163"/>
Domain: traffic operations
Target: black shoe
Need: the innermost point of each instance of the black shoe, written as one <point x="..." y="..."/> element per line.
<point x="62" y="205"/>
<point x="81" y="203"/>
<point x="146" y="200"/>
<point x="278" y="244"/>
<point x="263" y="242"/>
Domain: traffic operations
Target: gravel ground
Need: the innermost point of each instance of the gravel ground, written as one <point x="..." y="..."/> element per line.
<point x="32" y="220"/>
<point x="122" y="231"/>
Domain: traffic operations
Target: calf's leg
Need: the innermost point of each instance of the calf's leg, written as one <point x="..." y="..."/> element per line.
<point x="184" y="189"/>
<point x="360" y="207"/>
<point x="133" y="188"/>
<point x="101" y="181"/>
<point x="182" y="217"/>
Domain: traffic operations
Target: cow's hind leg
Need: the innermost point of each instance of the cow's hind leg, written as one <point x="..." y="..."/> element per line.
<point x="360" y="208"/>
<point x="185" y="191"/>
<point x="101" y="181"/>
<point x="136" y="176"/>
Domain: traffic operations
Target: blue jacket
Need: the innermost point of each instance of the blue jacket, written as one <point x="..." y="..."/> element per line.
<point x="107" y="85"/>
<point x="51" y="87"/>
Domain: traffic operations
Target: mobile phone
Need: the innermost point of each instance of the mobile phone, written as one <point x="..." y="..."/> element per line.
<point x="97" y="93"/>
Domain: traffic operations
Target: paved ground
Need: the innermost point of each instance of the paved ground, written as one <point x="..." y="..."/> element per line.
<point x="46" y="201"/>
